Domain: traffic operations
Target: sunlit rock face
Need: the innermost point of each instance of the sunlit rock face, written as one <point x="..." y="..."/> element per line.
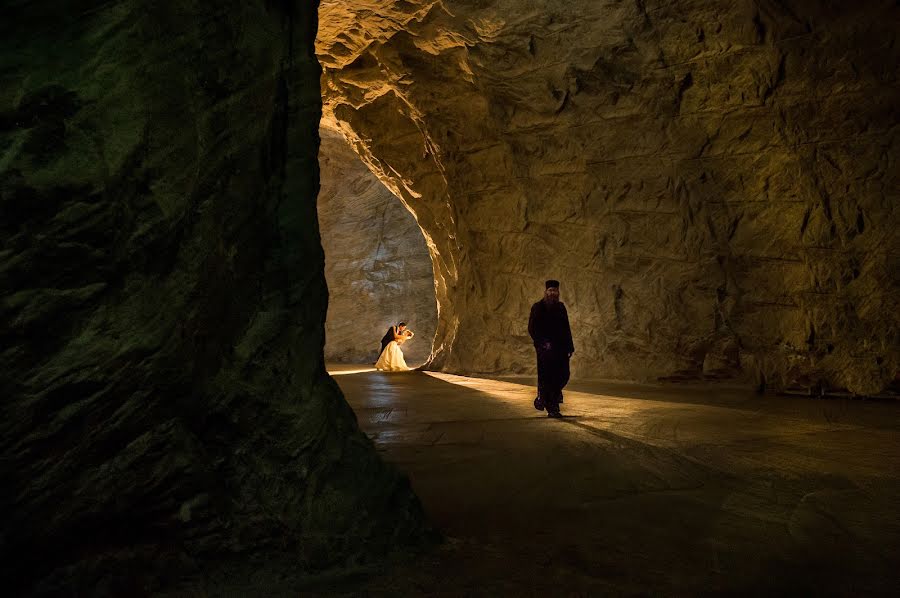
<point x="376" y="263"/>
<point x="165" y="407"/>
<point x="713" y="182"/>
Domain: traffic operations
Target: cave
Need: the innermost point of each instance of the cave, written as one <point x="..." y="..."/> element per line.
<point x="704" y="181"/>
<point x="194" y="202"/>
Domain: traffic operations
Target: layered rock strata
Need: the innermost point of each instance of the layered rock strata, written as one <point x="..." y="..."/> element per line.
<point x="714" y="182"/>
<point x="376" y="263"/>
<point x="165" y="403"/>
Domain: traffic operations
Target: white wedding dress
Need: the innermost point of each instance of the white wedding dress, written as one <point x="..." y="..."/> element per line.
<point x="391" y="359"/>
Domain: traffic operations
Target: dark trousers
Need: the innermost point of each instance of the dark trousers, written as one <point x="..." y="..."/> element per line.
<point x="553" y="375"/>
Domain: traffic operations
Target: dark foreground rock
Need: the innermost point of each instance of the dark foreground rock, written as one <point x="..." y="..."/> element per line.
<point x="164" y="400"/>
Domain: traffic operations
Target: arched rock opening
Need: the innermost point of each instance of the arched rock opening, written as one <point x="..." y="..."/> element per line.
<point x="377" y="265"/>
<point x="713" y="183"/>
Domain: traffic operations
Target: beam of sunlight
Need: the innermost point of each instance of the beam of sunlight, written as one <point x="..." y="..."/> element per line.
<point x="522" y="395"/>
<point x="505" y="392"/>
<point x="658" y="421"/>
<point x="335" y="371"/>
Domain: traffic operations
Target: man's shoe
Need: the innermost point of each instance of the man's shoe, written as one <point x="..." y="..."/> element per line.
<point x="554" y="414"/>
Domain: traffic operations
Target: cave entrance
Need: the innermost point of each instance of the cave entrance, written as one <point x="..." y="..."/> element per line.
<point x="377" y="264"/>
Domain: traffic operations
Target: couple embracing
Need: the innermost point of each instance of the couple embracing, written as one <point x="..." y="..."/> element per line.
<point x="391" y="356"/>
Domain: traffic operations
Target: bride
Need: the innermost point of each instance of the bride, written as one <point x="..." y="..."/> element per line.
<point x="391" y="359"/>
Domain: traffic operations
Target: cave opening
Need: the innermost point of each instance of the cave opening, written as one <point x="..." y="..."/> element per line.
<point x="377" y="263"/>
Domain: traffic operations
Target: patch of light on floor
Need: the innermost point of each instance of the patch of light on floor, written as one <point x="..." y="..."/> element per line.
<point x="522" y="396"/>
<point x="347" y="372"/>
<point x="507" y="392"/>
<point x="660" y="421"/>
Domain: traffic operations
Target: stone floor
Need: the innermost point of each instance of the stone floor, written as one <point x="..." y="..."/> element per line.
<point x="638" y="490"/>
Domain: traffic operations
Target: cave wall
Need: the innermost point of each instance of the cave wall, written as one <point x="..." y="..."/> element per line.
<point x="376" y="263"/>
<point x="165" y="406"/>
<point x="713" y="182"/>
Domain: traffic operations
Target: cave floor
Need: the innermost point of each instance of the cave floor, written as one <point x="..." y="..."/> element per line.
<point x="638" y="490"/>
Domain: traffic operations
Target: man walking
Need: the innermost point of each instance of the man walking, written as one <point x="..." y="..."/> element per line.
<point x="548" y="326"/>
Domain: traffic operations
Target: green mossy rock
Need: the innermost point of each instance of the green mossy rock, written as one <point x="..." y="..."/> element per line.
<point x="165" y="403"/>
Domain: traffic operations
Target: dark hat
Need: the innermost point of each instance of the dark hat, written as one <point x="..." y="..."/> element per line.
<point x="552" y="284"/>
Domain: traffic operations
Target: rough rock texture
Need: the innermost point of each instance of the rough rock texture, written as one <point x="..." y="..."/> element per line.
<point x="376" y="263"/>
<point x="165" y="402"/>
<point x="714" y="182"/>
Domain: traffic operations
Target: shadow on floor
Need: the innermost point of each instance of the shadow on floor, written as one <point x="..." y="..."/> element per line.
<point x="638" y="492"/>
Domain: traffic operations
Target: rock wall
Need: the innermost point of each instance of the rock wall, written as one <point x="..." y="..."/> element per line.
<point x="165" y="405"/>
<point x="713" y="182"/>
<point x="376" y="263"/>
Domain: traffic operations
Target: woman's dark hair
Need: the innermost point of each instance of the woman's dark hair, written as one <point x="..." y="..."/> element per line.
<point x="401" y="324"/>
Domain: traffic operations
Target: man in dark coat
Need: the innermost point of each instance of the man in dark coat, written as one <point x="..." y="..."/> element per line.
<point x="548" y="326"/>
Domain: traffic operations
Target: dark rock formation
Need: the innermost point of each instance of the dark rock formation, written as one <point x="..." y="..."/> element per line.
<point x="165" y="403"/>
<point x="376" y="262"/>
<point x="714" y="182"/>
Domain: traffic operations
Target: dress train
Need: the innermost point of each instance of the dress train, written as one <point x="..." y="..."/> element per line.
<point x="391" y="359"/>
